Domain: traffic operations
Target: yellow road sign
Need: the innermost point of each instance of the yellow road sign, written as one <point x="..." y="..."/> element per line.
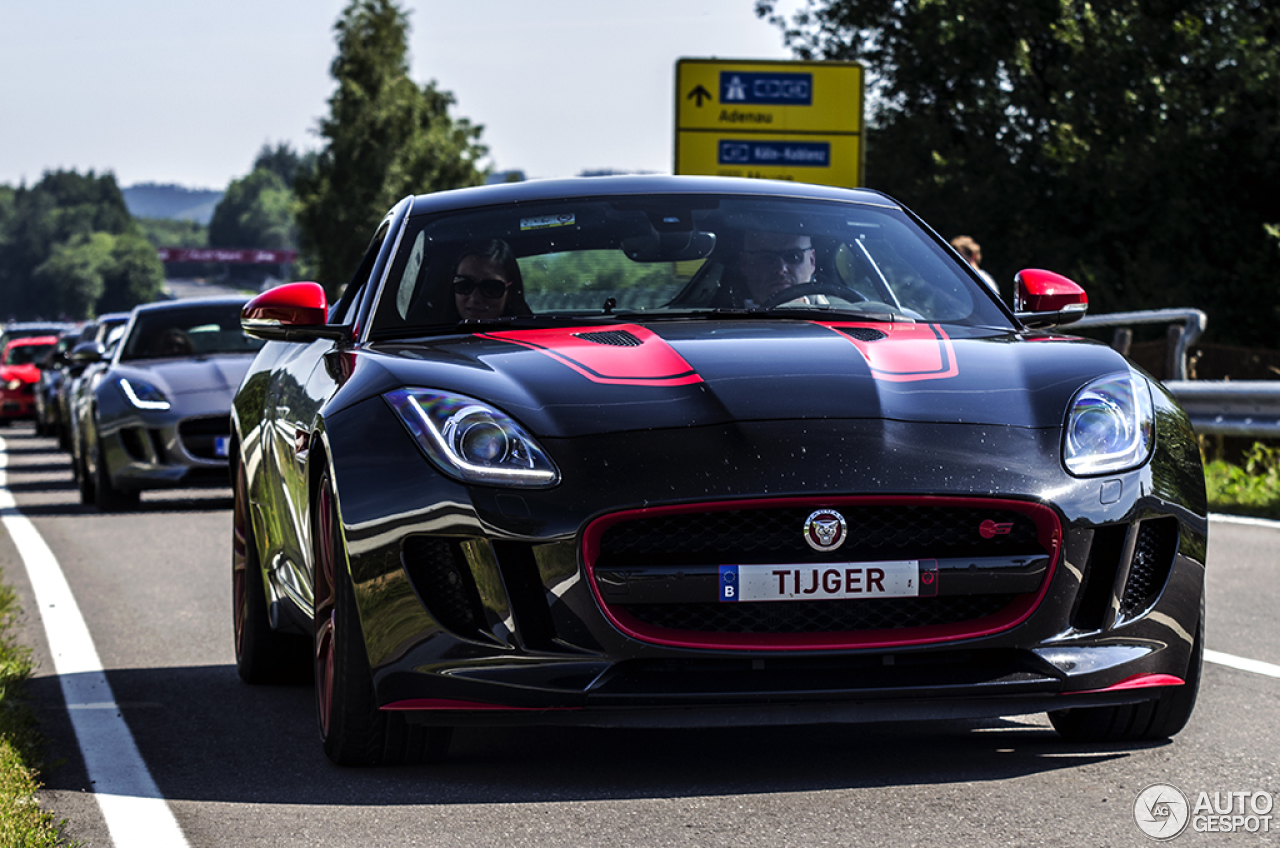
<point x="779" y="120"/>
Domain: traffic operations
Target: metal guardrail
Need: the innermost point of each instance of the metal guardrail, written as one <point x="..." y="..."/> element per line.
<point x="1187" y="325"/>
<point x="1217" y="407"/>
<point x="1230" y="407"/>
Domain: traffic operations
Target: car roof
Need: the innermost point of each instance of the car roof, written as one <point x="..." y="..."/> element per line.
<point x="31" y="340"/>
<point x="166" y="305"/>
<point x="648" y="184"/>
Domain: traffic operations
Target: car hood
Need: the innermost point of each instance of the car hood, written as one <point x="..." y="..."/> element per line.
<point x="598" y="379"/>
<point x="220" y="374"/>
<point x="25" y="373"/>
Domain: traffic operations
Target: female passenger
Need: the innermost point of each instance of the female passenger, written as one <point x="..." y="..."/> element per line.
<point x="487" y="282"/>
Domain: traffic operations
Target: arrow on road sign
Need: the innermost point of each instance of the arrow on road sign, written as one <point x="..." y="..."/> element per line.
<point x="698" y="94"/>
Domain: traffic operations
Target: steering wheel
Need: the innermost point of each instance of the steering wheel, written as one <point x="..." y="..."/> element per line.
<point x="805" y="289"/>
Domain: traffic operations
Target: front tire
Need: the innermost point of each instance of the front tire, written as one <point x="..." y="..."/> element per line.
<point x="84" y="483"/>
<point x="107" y="496"/>
<point x="353" y="730"/>
<point x="1159" y="718"/>
<point x="263" y="655"/>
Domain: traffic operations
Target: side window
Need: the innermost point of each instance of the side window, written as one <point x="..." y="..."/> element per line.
<point x="345" y="309"/>
<point x="407" y="291"/>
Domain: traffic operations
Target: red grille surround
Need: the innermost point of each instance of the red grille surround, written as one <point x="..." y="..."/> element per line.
<point x="1048" y="535"/>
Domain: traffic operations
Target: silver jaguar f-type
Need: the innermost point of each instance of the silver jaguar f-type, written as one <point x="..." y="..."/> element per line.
<point x="158" y="414"/>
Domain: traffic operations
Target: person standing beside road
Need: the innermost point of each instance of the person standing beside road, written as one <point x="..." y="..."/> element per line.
<point x="972" y="253"/>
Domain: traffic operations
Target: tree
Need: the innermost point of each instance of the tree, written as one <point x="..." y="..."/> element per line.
<point x="385" y="138"/>
<point x="1133" y="145"/>
<point x="133" y="274"/>
<point x="256" y="211"/>
<point x="64" y="208"/>
<point x="284" y="162"/>
<point x="72" y="275"/>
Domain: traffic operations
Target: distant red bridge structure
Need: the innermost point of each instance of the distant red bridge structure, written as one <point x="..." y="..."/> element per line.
<point x="233" y="255"/>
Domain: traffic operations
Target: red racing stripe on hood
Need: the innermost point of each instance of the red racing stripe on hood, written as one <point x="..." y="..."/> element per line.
<point x="623" y="354"/>
<point x="901" y="352"/>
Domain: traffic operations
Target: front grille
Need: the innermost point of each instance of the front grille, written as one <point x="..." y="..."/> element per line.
<point x="878" y="530"/>
<point x="745" y="536"/>
<point x="199" y="435"/>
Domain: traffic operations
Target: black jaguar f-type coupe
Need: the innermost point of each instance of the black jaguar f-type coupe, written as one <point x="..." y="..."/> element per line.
<point x="677" y="451"/>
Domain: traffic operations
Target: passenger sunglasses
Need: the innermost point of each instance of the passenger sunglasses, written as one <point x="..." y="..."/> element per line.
<point x="793" y="256"/>
<point x="489" y="289"/>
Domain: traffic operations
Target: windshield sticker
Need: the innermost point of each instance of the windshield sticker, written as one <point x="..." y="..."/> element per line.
<point x="546" y="222"/>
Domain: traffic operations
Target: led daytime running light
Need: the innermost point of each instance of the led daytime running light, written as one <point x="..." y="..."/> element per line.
<point x="149" y="402"/>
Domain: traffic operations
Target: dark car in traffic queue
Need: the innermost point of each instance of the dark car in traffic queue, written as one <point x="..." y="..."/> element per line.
<point x="88" y="355"/>
<point x="645" y="492"/>
<point x="157" y="414"/>
<point x="53" y="371"/>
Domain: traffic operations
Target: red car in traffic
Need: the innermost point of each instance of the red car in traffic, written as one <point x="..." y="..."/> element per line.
<point x="18" y="376"/>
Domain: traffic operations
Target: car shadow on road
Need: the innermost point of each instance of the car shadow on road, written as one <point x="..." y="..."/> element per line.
<point x="208" y="737"/>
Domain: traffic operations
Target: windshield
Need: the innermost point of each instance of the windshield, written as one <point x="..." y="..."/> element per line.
<point x="194" y="331"/>
<point x="25" y="354"/>
<point x="673" y="256"/>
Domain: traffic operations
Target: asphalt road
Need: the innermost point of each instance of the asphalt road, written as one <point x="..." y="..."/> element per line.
<point x="242" y="766"/>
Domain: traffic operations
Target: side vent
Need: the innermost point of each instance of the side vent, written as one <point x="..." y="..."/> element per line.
<point x="1099" y="577"/>
<point x="1153" y="555"/>
<point x="613" y="338"/>
<point x="862" y="334"/>
<point x="440" y="576"/>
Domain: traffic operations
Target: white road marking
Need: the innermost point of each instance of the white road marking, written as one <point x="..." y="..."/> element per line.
<point x="135" y="812"/>
<point x="1245" y="520"/>
<point x="1242" y="663"/>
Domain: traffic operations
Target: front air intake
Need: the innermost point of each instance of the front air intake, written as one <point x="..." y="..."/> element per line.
<point x="1153" y="554"/>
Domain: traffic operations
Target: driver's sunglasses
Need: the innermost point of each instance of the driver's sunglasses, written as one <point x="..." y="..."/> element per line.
<point x="489" y="289"/>
<point x="794" y="256"/>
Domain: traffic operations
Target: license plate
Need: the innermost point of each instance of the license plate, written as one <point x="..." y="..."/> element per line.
<point x="220" y="445"/>
<point x="829" y="581"/>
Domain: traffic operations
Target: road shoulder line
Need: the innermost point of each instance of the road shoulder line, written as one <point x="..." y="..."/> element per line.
<point x="136" y="814"/>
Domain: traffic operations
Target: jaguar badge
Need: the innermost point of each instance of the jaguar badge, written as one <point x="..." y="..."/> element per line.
<point x="825" y="530"/>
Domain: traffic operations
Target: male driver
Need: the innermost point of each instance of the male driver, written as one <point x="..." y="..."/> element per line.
<point x="771" y="262"/>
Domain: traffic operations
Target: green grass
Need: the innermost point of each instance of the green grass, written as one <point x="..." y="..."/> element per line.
<point x="1252" y="488"/>
<point x="22" y="823"/>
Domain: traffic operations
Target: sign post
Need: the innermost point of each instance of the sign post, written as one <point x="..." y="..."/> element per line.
<point x="776" y="120"/>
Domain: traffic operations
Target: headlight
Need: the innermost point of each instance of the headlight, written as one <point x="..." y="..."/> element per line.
<point x="143" y="395"/>
<point x="1110" y="426"/>
<point x="471" y="441"/>
<point x="13" y="385"/>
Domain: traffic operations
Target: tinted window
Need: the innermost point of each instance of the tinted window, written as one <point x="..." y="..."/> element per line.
<point x="192" y="331"/>
<point x="671" y="255"/>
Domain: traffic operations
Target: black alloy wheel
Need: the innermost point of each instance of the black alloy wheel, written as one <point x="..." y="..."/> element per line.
<point x="353" y="730"/>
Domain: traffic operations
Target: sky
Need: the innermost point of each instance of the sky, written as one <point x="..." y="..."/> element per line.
<point x="174" y="91"/>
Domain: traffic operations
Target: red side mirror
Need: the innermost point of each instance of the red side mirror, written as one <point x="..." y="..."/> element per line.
<point x="290" y="305"/>
<point x="1044" y="299"/>
<point x="292" y="312"/>
<point x="1044" y="291"/>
